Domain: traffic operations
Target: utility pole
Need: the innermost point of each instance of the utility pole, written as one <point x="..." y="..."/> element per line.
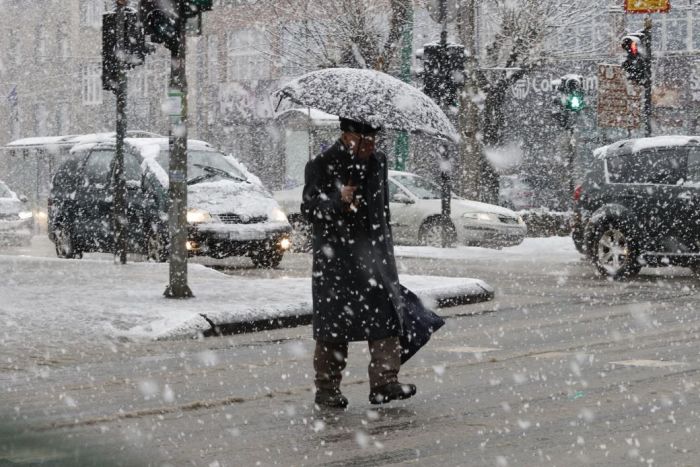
<point x="470" y="160"/>
<point x="647" y="110"/>
<point x="120" y="215"/>
<point x="177" y="214"/>
<point x="402" y="141"/>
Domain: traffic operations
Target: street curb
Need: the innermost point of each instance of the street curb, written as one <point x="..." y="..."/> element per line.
<point x="244" y="327"/>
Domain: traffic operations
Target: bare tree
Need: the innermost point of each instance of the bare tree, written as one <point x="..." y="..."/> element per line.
<point x="521" y="35"/>
<point x="329" y="33"/>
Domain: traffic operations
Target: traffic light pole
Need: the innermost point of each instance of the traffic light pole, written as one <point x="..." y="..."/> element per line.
<point x="177" y="214"/>
<point x="120" y="217"/>
<point x="648" y="82"/>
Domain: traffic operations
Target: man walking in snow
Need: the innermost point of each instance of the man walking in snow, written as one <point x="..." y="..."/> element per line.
<point x="355" y="285"/>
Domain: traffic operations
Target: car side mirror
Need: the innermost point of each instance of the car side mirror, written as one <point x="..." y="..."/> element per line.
<point x="23" y="198"/>
<point x="402" y="198"/>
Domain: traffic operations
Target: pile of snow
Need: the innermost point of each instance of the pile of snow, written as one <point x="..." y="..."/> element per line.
<point x="84" y="300"/>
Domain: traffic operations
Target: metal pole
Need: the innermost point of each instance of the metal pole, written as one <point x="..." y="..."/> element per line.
<point x="648" y="81"/>
<point x="177" y="214"/>
<point x="120" y="217"/>
<point x="402" y="145"/>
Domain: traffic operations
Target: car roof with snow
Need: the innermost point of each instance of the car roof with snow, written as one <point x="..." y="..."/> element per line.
<point x="630" y="146"/>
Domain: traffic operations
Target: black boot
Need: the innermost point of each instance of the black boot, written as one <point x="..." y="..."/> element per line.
<point x="391" y="391"/>
<point x="330" y="398"/>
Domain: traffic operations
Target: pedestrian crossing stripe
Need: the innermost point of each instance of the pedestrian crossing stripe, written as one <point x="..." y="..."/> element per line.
<point x="648" y="363"/>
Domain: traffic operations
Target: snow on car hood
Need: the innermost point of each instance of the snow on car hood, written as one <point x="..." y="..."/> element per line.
<point x="461" y="206"/>
<point x="10" y="205"/>
<point x="230" y="196"/>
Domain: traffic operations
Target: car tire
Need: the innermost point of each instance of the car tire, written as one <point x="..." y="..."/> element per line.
<point x="301" y="234"/>
<point x="614" y="252"/>
<point x="66" y="245"/>
<point x="156" y="246"/>
<point x="430" y="233"/>
<point x="267" y="258"/>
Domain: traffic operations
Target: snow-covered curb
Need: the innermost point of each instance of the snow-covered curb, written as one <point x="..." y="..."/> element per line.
<point x="89" y="299"/>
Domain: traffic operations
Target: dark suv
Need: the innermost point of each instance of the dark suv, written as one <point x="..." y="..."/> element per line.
<point x="639" y="205"/>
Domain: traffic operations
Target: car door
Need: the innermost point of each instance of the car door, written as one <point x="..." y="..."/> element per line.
<point x="672" y="200"/>
<point x="401" y="205"/>
<point x="93" y="213"/>
<point x="689" y="200"/>
<point x="137" y="203"/>
<point x="629" y="177"/>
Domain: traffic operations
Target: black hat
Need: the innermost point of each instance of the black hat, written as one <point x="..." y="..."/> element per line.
<point x="357" y="127"/>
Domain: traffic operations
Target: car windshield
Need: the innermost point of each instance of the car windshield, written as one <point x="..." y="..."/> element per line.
<point x="202" y="165"/>
<point x="4" y="191"/>
<point x="419" y="186"/>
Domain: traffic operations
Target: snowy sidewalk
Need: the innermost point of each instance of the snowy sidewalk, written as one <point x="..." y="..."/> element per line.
<point x="100" y="299"/>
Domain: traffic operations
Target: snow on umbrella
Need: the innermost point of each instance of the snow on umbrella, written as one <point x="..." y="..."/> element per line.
<point x="371" y="97"/>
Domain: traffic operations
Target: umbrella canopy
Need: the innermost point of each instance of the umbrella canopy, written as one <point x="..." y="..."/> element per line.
<point x="371" y="97"/>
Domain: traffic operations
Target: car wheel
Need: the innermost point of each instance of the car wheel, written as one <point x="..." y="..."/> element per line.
<point x="614" y="253"/>
<point x="156" y="247"/>
<point x="66" y="245"/>
<point x="431" y="231"/>
<point x="267" y="258"/>
<point x="301" y="234"/>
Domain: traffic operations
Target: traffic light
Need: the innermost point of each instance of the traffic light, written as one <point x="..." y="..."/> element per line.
<point x="570" y="100"/>
<point x="443" y="72"/>
<point x="161" y="22"/>
<point x="571" y="88"/>
<point x="637" y="63"/>
<point x="134" y="47"/>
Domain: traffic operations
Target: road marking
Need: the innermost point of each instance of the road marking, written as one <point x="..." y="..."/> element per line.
<point x="555" y="355"/>
<point x="648" y="363"/>
<point x="467" y="349"/>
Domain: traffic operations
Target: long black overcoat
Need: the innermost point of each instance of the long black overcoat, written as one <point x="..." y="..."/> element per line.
<point x="355" y="285"/>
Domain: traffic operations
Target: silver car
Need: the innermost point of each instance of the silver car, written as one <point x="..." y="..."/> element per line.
<point x="416" y="216"/>
<point x="16" y="220"/>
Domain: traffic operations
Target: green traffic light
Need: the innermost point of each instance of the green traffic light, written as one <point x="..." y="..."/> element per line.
<point x="575" y="101"/>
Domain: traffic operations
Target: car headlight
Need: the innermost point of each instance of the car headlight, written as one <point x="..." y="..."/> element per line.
<point x="480" y="216"/>
<point x="277" y="215"/>
<point x="25" y="215"/>
<point x="197" y="216"/>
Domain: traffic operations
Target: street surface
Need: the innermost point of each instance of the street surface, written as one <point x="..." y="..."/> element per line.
<point x="562" y="368"/>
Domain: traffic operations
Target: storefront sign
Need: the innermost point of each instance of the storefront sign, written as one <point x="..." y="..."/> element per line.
<point x="619" y="102"/>
<point x="647" y="6"/>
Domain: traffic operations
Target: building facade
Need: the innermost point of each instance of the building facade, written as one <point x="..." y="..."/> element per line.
<point x="50" y="74"/>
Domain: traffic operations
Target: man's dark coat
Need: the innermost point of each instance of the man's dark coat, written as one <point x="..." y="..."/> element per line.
<point x="355" y="285"/>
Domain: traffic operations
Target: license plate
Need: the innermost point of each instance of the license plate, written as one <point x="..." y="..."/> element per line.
<point x="245" y="236"/>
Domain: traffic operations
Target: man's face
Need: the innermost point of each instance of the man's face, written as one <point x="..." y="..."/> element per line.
<point x="360" y="145"/>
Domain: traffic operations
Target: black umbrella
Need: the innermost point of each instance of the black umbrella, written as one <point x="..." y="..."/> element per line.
<point x="419" y="323"/>
<point x="371" y="97"/>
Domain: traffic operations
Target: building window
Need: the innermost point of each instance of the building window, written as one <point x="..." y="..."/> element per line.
<point x="92" y="84"/>
<point x="42" y="43"/>
<point x="213" y="59"/>
<point x="63" y="118"/>
<point x="695" y="31"/>
<point x="248" y="56"/>
<point x="63" y="44"/>
<point x="676" y="30"/>
<point x="92" y="13"/>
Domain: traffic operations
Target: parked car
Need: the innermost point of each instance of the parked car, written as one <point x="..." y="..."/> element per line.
<point x="416" y="215"/>
<point x="15" y="219"/>
<point x="229" y="210"/>
<point x="639" y="205"/>
<point x="527" y="192"/>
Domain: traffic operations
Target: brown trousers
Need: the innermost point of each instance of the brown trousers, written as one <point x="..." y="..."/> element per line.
<point x="330" y="359"/>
